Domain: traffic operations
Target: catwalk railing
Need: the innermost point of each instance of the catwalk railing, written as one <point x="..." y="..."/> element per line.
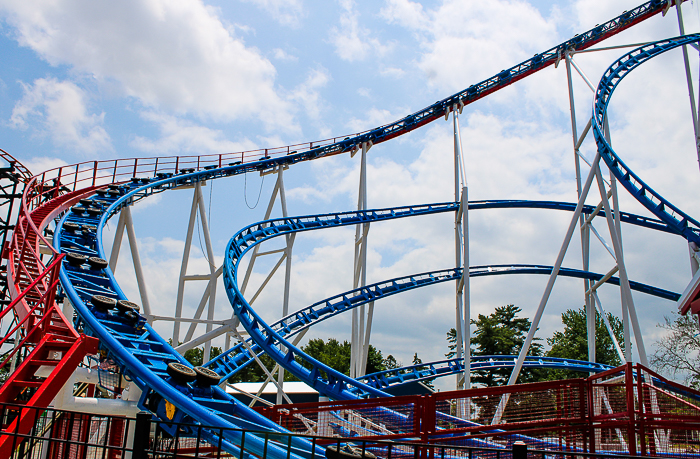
<point x="629" y="409"/>
<point x="61" y="434"/>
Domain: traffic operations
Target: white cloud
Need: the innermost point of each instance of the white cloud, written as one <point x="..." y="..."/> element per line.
<point x="60" y="108"/>
<point x="352" y="41"/>
<point x="282" y="55"/>
<point x="174" y="55"/>
<point x="39" y="164"/>
<point x="392" y="72"/>
<point x="307" y="93"/>
<point x="407" y="13"/>
<point x="178" y="135"/>
<point x="286" y="12"/>
<point x="458" y="37"/>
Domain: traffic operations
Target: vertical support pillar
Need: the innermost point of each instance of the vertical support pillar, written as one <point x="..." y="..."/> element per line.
<point x="585" y="231"/>
<point x="693" y="252"/>
<point x="692" y="247"/>
<point x="357" y="352"/>
<point x="136" y="258"/>
<point x="212" y="267"/>
<point x="689" y="78"/>
<point x="467" y="292"/>
<point x="183" y="271"/>
<point x="462" y="294"/>
<point x="625" y="289"/>
<point x="287" y="271"/>
<point x="142" y="434"/>
<point x="117" y="244"/>
<point x="68" y="309"/>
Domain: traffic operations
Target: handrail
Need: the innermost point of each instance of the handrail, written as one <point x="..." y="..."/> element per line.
<point x="23" y="172"/>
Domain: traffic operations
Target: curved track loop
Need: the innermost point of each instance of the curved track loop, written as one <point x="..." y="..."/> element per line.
<point x="682" y="223"/>
<point x="238" y="357"/>
<point x="53" y="192"/>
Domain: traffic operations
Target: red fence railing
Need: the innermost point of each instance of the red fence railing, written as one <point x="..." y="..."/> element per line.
<point x="629" y="409"/>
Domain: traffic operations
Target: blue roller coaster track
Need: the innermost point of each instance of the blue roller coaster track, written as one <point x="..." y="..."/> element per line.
<point x="143" y="355"/>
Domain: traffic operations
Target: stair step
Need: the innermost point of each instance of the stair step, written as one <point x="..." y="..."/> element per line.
<point x="58" y="345"/>
<point x="39" y="362"/>
<point x="27" y="384"/>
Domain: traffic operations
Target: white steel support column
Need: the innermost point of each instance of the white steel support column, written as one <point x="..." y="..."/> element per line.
<point x="208" y="299"/>
<point x="212" y="266"/>
<point x="584" y="226"/>
<point x="625" y="291"/>
<point x="693" y="252"/>
<point x="117" y="244"/>
<point x="140" y="281"/>
<point x="183" y="271"/>
<point x="689" y="78"/>
<point x="359" y="346"/>
<point x="692" y="247"/>
<point x="289" y="238"/>
<point x="462" y="293"/>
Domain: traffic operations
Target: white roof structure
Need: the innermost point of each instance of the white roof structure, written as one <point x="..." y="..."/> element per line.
<point x="290" y="387"/>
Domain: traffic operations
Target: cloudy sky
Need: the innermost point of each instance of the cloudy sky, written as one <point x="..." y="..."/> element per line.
<point x="84" y="80"/>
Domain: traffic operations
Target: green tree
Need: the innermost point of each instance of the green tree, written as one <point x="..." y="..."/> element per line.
<point x="572" y="343"/>
<point x="677" y="353"/>
<point x="337" y="355"/>
<point x="196" y="355"/>
<point x="451" y="343"/>
<point x="391" y="363"/>
<point x="502" y="333"/>
<point x="417" y="361"/>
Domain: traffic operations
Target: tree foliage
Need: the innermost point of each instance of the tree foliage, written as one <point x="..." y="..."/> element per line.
<point x="451" y="343"/>
<point x="572" y="343"/>
<point x="196" y="355"/>
<point x="502" y="333"/>
<point x="678" y="352"/>
<point x="417" y="361"/>
<point x="337" y="356"/>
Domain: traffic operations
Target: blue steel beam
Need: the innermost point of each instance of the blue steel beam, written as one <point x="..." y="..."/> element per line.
<point x="625" y="217"/>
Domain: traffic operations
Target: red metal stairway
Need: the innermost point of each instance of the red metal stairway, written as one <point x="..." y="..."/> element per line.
<point x="45" y="340"/>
